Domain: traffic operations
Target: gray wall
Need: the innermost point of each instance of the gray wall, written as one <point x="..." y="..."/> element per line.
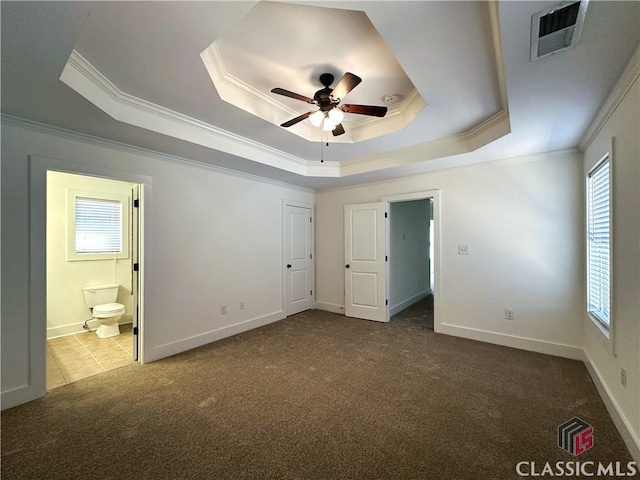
<point x="211" y="238"/>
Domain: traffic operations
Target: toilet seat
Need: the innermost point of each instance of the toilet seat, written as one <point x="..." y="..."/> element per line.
<point x="108" y="310"/>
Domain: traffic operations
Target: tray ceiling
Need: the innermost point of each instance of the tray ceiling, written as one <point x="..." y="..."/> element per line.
<point x="255" y="53"/>
<point x="132" y="74"/>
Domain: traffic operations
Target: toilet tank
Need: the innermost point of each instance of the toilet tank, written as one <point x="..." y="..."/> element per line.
<point x="100" y="294"/>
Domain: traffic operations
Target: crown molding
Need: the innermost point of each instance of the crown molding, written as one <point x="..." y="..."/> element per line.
<point x="486" y="132"/>
<point x="242" y="95"/>
<point x="569" y="153"/>
<point x="624" y="83"/>
<point x="89" y="82"/>
<point x="45" y="128"/>
<point x="494" y="18"/>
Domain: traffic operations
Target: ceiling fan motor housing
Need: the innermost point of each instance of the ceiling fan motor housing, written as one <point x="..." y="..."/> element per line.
<point x="324" y="99"/>
<point x="329" y="115"/>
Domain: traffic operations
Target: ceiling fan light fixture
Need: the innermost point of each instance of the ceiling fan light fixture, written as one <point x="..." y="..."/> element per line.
<point x="328" y="125"/>
<point x="316" y="118"/>
<point x="336" y="115"/>
<point x="329" y="116"/>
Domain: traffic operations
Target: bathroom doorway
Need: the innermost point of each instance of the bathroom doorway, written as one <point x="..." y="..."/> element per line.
<point x="92" y="240"/>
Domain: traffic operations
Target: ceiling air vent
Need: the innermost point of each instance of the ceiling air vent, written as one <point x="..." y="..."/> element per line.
<point x="556" y="29"/>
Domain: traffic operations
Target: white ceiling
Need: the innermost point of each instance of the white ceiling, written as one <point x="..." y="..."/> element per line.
<point x="149" y="52"/>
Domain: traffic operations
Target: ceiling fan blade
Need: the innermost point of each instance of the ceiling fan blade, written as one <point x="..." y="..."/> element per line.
<point x="371" y="110"/>
<point x="297" y="96"/>
<point x="339" y="130"/>
<point x="293" y="121"/>
<point x="348" y="82"/>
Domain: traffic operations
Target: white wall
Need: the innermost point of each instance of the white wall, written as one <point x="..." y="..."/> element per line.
<point x="624" y="125"/>
<point x="211" y="238"/>
<point x="523" y="221"/>
<point x="408" y="253"/>
<point x="66" y="309"/>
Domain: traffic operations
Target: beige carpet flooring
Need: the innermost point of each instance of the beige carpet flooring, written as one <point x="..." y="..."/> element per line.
<point x="315" y="396"/>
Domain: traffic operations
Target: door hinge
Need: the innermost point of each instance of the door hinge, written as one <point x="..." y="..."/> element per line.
<point x="135" y="330"/>
<point x="386" y="215"/>
<point x="386" y="258"/>
<point x="136" y="267"/>
<point x="386" y="302"/>
<point x="136" y="203"/>
<point x="310" y="292"/>
<point x="310" y="219"/>
<point x="310" y="255"/>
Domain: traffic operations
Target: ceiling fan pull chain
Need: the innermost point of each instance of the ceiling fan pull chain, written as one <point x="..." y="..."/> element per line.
<point x="322" y="142"/>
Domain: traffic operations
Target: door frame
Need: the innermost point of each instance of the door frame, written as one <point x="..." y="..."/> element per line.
<point x="37" y="315"/>
<point x="435" y="195"/>
<point x="310" y="206"/>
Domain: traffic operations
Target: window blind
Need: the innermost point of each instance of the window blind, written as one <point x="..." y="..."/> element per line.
<point x="599" y="243"/>
<point x="98" y="225"/>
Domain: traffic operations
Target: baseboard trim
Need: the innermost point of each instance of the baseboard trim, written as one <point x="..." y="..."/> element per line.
<point x="74" y="328"/>
<point x="397" y="308"/>
<point x="168" y="349"/>
<point x="631" y="440"/>
<point x="523" y="343"/>
<point x="330" y="307"/>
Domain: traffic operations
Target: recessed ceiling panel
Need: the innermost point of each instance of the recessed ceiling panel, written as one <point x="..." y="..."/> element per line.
<point x="289" y="46"/>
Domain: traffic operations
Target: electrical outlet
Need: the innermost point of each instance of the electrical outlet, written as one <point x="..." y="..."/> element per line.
<point x="623" y="377"/>
<point x="241" y="305"/>
<point x="509" y="314"/>
<point x="463" y="249"/>
<point x="223" y="310"/>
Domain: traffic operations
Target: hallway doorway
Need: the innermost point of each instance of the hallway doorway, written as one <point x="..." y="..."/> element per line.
<point x="411" y="260"/>
<point x="414" y="287"/>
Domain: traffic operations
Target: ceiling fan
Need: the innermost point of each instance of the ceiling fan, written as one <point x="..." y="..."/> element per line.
<point x="330" y="113"/>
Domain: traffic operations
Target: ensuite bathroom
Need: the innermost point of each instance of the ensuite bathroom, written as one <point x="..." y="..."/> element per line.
<point x="91" y="241"/>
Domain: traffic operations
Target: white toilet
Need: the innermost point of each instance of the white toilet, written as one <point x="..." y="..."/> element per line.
<point x="101" y="300"/>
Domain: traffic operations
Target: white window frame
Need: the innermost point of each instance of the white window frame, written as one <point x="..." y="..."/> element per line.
<point x="72" y="196"/>
<point x="605" y="329"/>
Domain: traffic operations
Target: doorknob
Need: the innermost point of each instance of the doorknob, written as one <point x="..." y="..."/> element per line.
<point x="346" y="266"/>
<point x="288" y="265"/>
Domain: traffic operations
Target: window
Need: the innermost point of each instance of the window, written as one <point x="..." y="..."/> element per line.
<point x="98" y="226"/>
<point x="599" y="243"/>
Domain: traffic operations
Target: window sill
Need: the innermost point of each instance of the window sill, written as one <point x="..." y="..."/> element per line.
<point x="603" y="329"/>
<point x="604" y="335"/>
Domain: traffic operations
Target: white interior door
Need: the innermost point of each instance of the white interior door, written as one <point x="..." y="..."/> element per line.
<point x="298" y="255"/>
<point x="366" y="261"/>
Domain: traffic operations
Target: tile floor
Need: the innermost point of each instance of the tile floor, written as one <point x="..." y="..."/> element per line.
<point x="74" y="357"/>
